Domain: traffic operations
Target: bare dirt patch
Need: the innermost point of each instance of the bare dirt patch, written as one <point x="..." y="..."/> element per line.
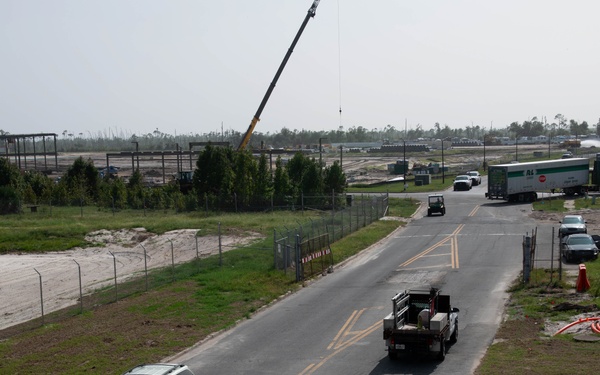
<point x="59" y="271"/>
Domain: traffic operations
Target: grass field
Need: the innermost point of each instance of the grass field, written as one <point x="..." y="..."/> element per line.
<point x="150" y="326"/>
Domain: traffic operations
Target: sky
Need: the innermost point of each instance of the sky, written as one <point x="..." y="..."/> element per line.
<point x="124" y="67"/>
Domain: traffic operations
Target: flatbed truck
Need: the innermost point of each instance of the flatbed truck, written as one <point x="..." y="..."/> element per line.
<point x="421" y="322"/>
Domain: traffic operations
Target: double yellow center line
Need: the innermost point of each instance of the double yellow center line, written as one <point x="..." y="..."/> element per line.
<point x="453" y="248"/>
<point x="452" y="239"/>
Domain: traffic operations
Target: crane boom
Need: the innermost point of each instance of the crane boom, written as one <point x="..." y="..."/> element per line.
<point x="311" y="13"/>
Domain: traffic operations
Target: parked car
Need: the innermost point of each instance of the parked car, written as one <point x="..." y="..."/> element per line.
<point x="462" y="182"/>
<point x="572" y="224"/>
<point x="475" y="178"/>
<point x="160" y="369"/>
<point x="579" y="247"/>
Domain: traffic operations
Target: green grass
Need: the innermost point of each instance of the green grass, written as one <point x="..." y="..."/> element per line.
<point x="550" y="205"/>
<point x="521" y="348"/>
<point x="437" y="184"/>
<point x="150" y="326"/>
<point x="589" y="202"/>
<point x="62" y="228"/>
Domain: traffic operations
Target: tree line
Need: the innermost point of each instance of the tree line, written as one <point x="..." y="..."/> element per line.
<point x="157" y="140"/>
<point x="223" y="179"/>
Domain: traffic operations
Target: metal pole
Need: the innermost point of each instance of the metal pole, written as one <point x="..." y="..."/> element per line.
<point x="552" y="257"/>
<point x="484" y="163"/>
<point x="404" y="162"/>
<point x="443" y="172"/>
<point x="41" y="295"/>
<point x="172" y="259"/>
<point x="275" y="248"/>
<point x="220" y="248"/>
<point x="145" y="265"/>
<point x="80" y="289"/>
<point x="115" y="268"/>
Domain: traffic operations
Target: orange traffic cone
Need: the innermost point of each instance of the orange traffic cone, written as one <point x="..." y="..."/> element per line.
<point x="583" y="283"/>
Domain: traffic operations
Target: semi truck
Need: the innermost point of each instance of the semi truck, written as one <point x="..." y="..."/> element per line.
<point x="520" y="182"/>
<point x="421" y="322"/>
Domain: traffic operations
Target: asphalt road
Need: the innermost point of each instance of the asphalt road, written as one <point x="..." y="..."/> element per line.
<point x="334" y="325"/>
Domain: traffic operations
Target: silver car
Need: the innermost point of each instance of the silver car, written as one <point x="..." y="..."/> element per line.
<point x="571" y="224"/>
<point x="475" y="177"/>
<point x="160" y="369"/>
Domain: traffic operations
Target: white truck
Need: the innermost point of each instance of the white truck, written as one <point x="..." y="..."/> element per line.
<point x="421" y="321"/>
<point x="520" y="182"/>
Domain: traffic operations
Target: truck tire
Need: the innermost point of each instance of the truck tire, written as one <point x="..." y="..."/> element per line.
<point x="454" y="336"/>
<point x="442" y="353"/>
<point x="443" y="211"/>
<point x="391" y="354"/>
<point x="428" y="212"/>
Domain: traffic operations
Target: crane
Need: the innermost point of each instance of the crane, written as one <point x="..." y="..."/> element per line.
<point x="311" y="13"/>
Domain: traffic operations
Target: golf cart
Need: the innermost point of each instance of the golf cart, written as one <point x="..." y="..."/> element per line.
<point x="436" y="204"/>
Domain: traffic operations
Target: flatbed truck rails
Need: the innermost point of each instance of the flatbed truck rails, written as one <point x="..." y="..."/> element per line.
<point x="404" y="331"/>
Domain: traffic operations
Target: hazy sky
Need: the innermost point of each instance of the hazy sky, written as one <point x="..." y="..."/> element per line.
<point x="130" y="67"/>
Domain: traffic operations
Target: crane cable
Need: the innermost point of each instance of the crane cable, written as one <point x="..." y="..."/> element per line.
<point x="339" y="64"/>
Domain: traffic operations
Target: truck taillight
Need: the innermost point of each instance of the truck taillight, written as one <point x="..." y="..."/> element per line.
<point x="392" y="341"/>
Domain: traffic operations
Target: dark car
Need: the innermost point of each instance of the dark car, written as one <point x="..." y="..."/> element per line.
<point x="578" y="247"/>
<point x="571" y="224"/>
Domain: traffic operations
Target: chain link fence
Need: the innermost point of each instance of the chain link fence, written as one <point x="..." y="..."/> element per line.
<point x="306" y="249"/>
<point x="52" y="287"/>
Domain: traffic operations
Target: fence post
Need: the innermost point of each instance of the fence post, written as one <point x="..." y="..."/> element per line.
<point x="41" y="295"/>
<point x="552" y="257"/>
<point x="220" y="248"/>
<point x="364" y="211"/>
<point x="526" y="258"/>
<point x="342" y="221"/>
<point x="275" y="248"/>
<point x="358" y="215"/>
<point x="172" y="259"/>
<point x="145" y="266"/>
<point x="80" y="289"/>
<point x="298" y="258"/>
<point x="115" y="268"/>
